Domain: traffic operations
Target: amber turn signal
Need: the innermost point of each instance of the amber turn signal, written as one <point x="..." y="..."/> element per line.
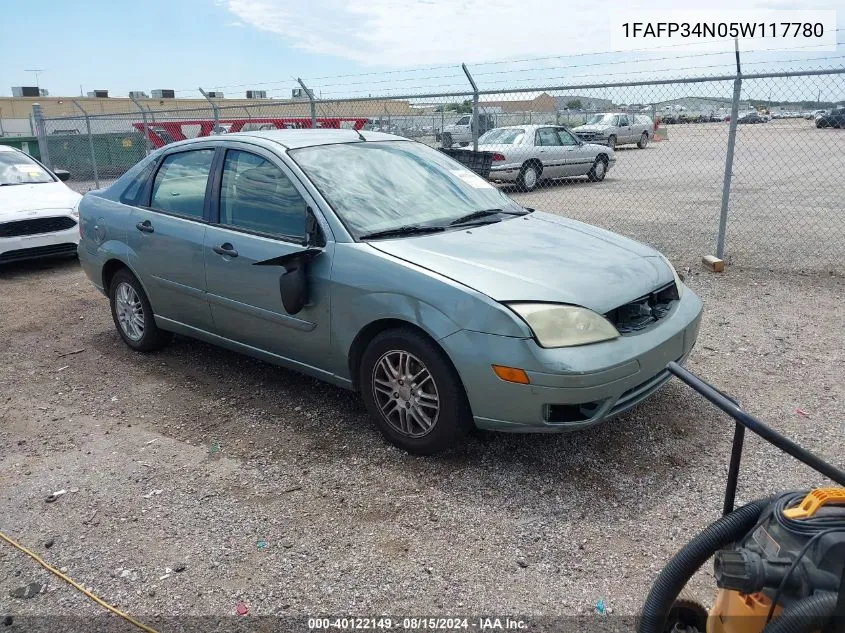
<point x="511" y="374"/>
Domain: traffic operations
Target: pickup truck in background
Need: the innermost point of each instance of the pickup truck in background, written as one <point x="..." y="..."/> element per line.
<point x="460" y="132"/>
<point x="617" y="128"/>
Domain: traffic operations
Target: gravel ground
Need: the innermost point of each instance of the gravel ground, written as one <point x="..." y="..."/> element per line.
<point x="198" y="457"/>
<point x="785" y="210"/>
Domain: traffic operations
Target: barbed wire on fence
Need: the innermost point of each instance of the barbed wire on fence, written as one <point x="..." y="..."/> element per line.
<point x="669" y="138"/>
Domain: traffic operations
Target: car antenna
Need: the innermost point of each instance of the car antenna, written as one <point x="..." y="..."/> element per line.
<point x="358" y="132"/>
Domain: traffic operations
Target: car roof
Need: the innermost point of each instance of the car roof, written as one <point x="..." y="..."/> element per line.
<point x="293" y="139"/>
<point x="527" y="126"/>
<point x="8" y="148"/>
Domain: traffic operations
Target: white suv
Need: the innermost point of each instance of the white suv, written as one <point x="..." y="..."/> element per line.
<point x="617" y="128"/>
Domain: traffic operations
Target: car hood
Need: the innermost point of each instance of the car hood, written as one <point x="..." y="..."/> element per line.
<point x="591" y="128"/>
<point x="539" y="257"/>
<point x="19" y="200"/>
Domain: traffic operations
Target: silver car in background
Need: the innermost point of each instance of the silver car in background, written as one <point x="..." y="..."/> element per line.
<point x="523" y="154"/>
<point x="617" y="128"/>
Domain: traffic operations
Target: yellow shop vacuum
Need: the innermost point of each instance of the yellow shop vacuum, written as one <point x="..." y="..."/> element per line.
<point x="778" y="562"/>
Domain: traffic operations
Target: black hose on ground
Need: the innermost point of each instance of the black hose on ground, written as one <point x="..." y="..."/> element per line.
<point x="804" y="616"/>
<point x="691" y="557"/>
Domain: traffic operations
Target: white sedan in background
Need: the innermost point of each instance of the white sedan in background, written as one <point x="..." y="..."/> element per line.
<point x="38" y="212"/>
<point x="525" y="154"/>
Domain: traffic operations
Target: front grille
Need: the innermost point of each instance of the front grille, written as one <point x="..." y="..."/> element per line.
<point x="53" y="250"/>
<point x="36" y="226"/>
<point x="640" y="313"/>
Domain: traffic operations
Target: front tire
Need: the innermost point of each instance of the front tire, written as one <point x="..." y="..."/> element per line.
<point x="598" y="171"/>
<point x="413" y="392"/>
<point x="643" y="141"/>
<point x="611" y="141"/>
<point x="133" y="315"/>
<point x="529" y="177"/>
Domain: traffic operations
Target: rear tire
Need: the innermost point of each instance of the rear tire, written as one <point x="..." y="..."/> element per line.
<point x="598" y="171"/>
<point x="643" y="141"/>
<point x="446" y="140"/>
<point x="133" y="315"/>
<point x="529" y="177"/>
<point x="413" y="392"/>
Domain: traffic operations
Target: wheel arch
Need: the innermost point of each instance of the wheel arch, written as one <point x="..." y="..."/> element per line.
<point x="109" y="270"/>
<point x="365" y="336"/>
<point x="534" y="162"/>
<point x="369" y="332"/>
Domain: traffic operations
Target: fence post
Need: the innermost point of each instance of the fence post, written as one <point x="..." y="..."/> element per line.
<point x="90" y="143"/>
<point x="41" y="133"/>
<point x="311" y="99"/>
<point x="729" y="158"/>
<point x="144" y="119"/>
<point x="474" y="108"/>
<point x="214" y="109"/>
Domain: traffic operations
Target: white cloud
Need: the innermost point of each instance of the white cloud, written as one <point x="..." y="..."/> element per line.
<point x="405" y="33"/>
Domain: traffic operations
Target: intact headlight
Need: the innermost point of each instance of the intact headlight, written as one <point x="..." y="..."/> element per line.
<point x="678" y="283"/>
<point x="556" y="325"/>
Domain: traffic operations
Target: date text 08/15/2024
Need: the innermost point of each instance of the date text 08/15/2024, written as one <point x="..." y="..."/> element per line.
<point x="417" y="624"/>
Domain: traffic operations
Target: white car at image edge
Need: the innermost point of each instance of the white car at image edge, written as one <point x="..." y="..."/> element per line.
<point x="38" y="212"/>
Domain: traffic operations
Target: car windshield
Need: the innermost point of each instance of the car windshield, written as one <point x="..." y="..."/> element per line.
<point x="602" y="119"/>
<point x="502" y="136"/>
<point x="17" y="168"/>
<point x="379" y="186"/>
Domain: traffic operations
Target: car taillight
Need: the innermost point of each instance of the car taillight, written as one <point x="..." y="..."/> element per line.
<point x="497" y="157"/>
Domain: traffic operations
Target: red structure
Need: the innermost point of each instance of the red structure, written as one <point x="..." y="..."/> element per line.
<point x="161" y="133"/>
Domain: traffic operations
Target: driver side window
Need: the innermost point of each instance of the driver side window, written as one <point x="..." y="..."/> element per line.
<point x="547" y="136"/>
<point x="566" y="138"/>
<point x="256" y="196"/>
<point x="623" y="121"/>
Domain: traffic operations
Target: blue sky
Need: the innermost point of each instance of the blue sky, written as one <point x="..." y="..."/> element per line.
<point x="182" y="44"/>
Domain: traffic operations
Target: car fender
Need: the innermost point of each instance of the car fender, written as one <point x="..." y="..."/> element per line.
<point x="115" y="250"/>
<point x="437" y="305"/>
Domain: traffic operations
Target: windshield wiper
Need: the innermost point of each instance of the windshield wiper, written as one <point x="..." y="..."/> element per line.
<point x="409" y="229"/>
<point x="483" y="213"/>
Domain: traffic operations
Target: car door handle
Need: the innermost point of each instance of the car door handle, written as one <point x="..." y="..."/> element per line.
<point x="226" y="249"/>
<point x="145" y="227"/>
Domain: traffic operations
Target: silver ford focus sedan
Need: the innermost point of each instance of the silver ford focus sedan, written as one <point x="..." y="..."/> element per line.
<point x="381" y="265"/>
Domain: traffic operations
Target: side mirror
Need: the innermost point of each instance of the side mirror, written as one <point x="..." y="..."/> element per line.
<point x="62" y="174"/>
<point x="293" y="284"/>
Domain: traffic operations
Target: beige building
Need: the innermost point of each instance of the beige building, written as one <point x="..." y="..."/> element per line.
<point x="16" y="112"/>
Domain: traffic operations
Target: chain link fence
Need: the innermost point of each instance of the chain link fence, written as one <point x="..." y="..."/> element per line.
<point x="728" y="164"/>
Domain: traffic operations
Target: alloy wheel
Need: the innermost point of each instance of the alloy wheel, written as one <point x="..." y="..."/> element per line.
<point x="130" y="311"/>
<point x="405" y="393"/>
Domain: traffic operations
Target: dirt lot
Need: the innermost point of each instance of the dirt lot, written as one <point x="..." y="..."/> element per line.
<point x="193" y="455"/>
<point x="785" y="205"/>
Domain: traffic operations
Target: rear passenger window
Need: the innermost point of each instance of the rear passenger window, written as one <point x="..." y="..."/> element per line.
<point x="132" y="194"/>
<point x="180" y="183"/>
<point x="257" y="196"/>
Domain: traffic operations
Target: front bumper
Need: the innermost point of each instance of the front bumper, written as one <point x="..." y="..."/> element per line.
<point x="24" y="247"/>
<point x="571" y="388"/>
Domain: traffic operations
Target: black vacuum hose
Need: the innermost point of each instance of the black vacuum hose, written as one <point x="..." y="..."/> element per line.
<point x="691" y="557"/>
<point x="805" y="616"/>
